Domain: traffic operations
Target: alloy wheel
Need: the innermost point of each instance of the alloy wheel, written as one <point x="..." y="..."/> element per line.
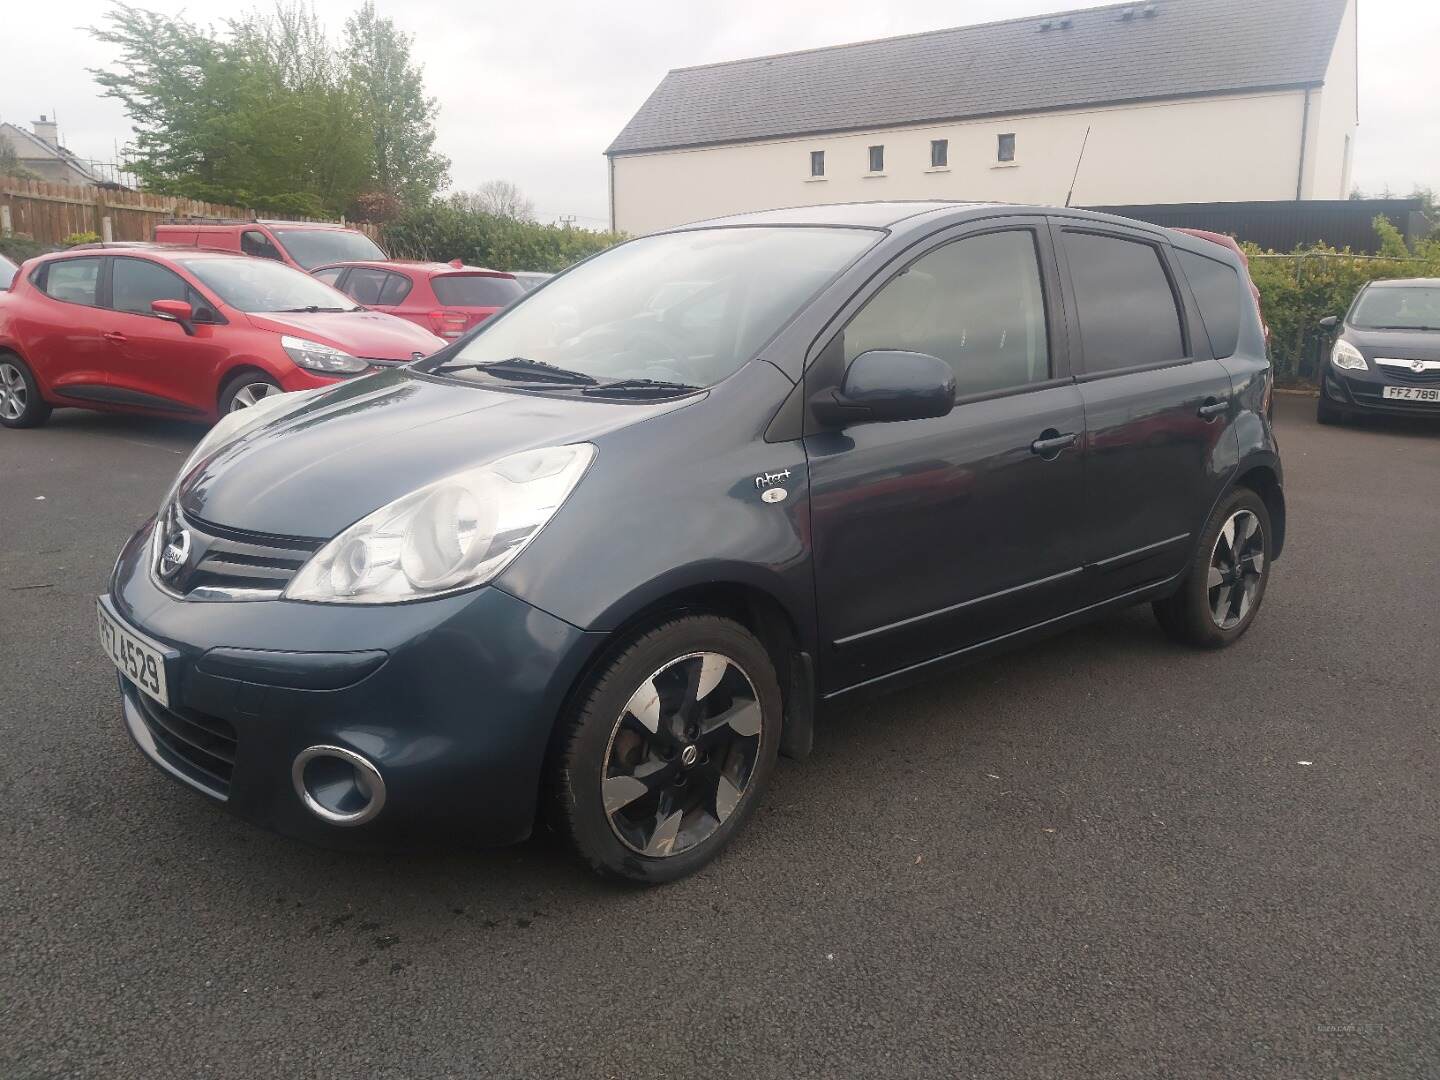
<point x="1237" y="566"/>
<point x="14" y="394"/>
<point x="681" y="754"/>
<point x="251" y="394"/>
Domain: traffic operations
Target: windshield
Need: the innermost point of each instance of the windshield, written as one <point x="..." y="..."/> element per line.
<point x="620" y="316"/>
<point x="7" y="272"/>
<point x="314" y="247"/>
<point x="475" y="290"/>
<point x="1398" y="307"/>
<point x="255" y="285"/>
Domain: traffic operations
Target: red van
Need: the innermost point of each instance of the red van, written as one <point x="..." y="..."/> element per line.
<point x="445" y="298"/>
<point x="304" y="245"/>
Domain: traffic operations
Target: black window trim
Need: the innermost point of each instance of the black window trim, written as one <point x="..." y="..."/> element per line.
<point x="1058" y="227"/>
<point x="815" y="377"/>
<point x="40" y="278"/>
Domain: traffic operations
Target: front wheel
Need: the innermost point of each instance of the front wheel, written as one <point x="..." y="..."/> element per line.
<point x="668" y="749"/>
<point x="1327" y="412"/>
<point x="246" y="389"/>
<point x="21" y="405"/>
<point x="1225" y="584"/>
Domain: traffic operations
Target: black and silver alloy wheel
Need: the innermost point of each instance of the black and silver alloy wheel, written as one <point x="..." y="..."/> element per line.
<point x="681" y="754"/>
<point x="252" y="393"/>
<point x="14" y="394"/>
<point x="1237" y="566"/>
<point x="667" y="747"/>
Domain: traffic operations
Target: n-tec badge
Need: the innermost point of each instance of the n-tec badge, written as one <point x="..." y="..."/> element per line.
<point x="176" y="553"/>
<point x="770" y="479"/>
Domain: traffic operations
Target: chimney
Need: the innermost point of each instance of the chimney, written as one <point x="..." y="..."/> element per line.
<point x="45" y="131"/>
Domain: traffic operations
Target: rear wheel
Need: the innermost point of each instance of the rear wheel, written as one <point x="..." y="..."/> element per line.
<point x="21" y="405"/>
<point x="246" y="389"/>
<point x="1225" y="584"/>
<point x="668" y="750"/>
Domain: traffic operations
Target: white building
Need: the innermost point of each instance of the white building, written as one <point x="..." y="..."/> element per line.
<point x="1182" y="100"/>
<point x="40" y="154"/>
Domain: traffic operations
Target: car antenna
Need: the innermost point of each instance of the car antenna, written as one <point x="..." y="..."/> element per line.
<point x="1084" y="142"/>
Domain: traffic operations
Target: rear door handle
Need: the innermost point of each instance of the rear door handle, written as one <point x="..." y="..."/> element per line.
<point x="1213" y="407"/>
<point x="1051" y="442"/>
<point x="115" y="336"/>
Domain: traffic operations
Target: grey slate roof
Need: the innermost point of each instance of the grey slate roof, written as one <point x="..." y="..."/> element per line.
<point x="1188" y="47"/>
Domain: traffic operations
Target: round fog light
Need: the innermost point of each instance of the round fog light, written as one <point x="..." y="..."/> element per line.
<point x="338" y="785"/>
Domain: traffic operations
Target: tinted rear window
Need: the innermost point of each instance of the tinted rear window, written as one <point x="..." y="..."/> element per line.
<point x="1127" y="309"/>
<point x="475" y="290"/>
<point x="1219" y="293"/>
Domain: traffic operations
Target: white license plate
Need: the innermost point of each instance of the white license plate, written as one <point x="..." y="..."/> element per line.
<point x="139" y="659"/>
<point x="1412" y="393"/>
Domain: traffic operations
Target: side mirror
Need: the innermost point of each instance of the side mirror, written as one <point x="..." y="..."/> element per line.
<point x="886" y="385"/>
<point x="1329" y="322"/>
<point x="176" y="310"/>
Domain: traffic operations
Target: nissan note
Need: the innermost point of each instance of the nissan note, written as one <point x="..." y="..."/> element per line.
<point x="600" y="560"/>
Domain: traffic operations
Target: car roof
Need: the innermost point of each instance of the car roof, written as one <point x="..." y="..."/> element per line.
<point x="875" y="215"/>
<point x="1412" y="283"/>
<point x="145" y="247"/>
<point x="415" y="266"/>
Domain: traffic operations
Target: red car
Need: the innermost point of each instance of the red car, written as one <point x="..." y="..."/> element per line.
<point x="180" y="333"/>
<point x="445" y="298"/>
<point x="303" y="244"/>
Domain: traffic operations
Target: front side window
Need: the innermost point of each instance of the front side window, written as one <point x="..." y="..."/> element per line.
<point x="316" y="247"/>
<point x="619" y="316"/>
<point x="939" y="153"/>
<point x="977" y="304"/>
<point x="258" y="285"/>
<point x="1005" y="148"/>
<point x="1127" y="310"/>
<point x="331" y="276"/>
<point x="76" y="281"/>
<point x="877" y="159"/>
<point x="256" y="243"/>
<point x="134" y="283"/>
<point x="817" y="162"/>
<point x="1219" y="294"/>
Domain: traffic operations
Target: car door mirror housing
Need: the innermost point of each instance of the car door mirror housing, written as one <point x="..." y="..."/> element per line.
<point x="1329" y="322"/>
<point x="885" y="385"/>
<point x="176" y="310"/>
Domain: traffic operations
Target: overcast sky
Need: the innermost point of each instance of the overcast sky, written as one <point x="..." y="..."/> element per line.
<point x="534" y="91"/>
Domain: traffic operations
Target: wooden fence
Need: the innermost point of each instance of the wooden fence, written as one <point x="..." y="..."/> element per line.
<point x="48" y="213"/>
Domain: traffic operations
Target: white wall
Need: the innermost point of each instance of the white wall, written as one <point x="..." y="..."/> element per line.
<point x="1215" y="149"/>
<point x="1333" y="111"/>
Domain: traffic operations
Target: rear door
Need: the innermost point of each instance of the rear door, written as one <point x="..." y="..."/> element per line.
<point x="64" y="329"/>
<point x="932" y="536"/>
<point x="1157" y="405"/>
<point x="155" y="364"/>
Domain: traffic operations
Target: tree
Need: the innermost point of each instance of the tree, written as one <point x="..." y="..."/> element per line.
<point x="390" y="89"/>
<point x="498" y="198"/>
<point x="260" y="116"/>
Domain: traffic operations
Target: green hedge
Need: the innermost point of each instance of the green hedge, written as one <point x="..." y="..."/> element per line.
<point x="1299" y="289"/>
<point x="442" y="232"/>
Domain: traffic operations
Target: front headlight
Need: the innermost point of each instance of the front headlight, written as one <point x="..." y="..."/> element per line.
<point x="314" y="356"/>
<point x="1346" y="356"/>
<point x="454" y="534"/>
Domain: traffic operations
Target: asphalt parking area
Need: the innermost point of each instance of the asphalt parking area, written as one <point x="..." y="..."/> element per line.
<point x="1105" y="856"/>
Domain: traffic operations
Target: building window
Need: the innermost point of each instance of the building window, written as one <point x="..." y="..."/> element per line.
<point x="939" y="153"/>
<point x="817" y="162"/>
<point x="877" y="159"/>
<point x="1005" y="150"/>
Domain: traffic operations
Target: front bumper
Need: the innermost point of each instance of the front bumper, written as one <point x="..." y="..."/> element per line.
<point x="453" y="700"/>
<point x="1363" y="391"/>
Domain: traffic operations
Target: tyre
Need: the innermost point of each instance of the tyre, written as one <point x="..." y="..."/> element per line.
<point x="1327" y="412"/>
<point x="21" y="405"/>
<point x="1225" y="584"/>
<point x="245" y="390"/>
<point x="668" y="749"/>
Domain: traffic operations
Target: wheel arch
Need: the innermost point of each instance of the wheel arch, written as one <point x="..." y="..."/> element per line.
<point x="1263" y="478"/>
<point x="235" y="371"/>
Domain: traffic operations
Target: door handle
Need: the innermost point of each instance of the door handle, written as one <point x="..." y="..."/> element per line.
<point x="1051" y="442"/>
<point x="115" y="336"/>
<point x="1213" y="407"/>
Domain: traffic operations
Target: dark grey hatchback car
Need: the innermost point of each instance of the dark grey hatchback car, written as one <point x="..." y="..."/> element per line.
<point x="603" y="558"/>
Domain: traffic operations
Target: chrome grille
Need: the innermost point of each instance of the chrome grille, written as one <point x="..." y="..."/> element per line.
<point x="227" y="564"/>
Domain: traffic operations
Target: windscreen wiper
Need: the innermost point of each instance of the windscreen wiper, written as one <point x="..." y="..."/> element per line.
<point x="523" y="369"/>
<point x="625" y="387"/>
<point x="309" y="310"/>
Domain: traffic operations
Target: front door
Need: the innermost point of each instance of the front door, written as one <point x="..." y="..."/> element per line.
<point x="1157" y="408"/>
<point x="932" y="536"/>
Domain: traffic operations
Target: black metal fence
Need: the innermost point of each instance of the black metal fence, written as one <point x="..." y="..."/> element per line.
<point x="1287" y="226"/>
